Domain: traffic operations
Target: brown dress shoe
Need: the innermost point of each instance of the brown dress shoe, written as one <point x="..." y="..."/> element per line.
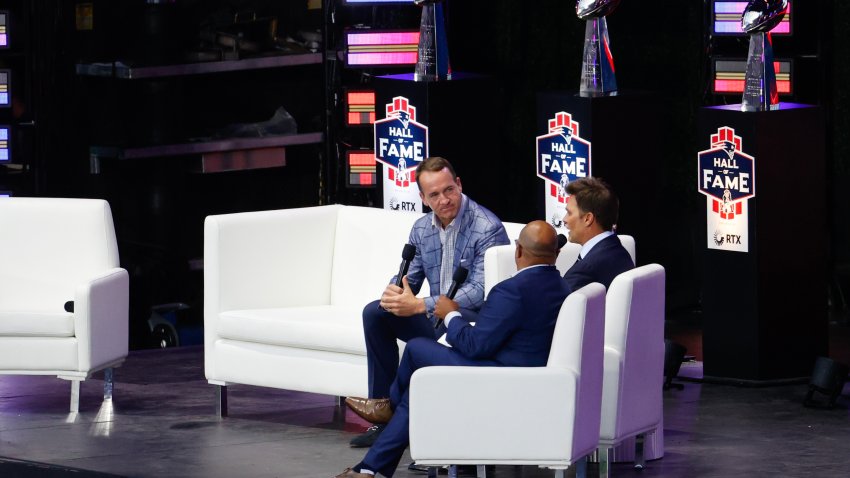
<point x="375" y="410"/>
<point x="349" y="473"/>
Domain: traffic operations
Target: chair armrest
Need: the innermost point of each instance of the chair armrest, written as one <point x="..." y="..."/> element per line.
<point x="489" y="412"/>
<point x="499" y="265"/>
<point x="101" y="319"/>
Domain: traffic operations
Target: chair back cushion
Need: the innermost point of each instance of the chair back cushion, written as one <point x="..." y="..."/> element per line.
<point x="634" y="352"/>
<point x="48" y="246"/>
<point x="367" y="253"/>
<point x="577" y="345"/>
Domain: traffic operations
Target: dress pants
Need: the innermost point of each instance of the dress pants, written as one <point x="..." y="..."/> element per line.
<point x="382" y="328"/>
<point x="386" y="452"/>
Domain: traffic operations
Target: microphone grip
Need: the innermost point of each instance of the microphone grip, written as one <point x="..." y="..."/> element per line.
<point x="402" y="271"/>
<point x="451" y="295"/>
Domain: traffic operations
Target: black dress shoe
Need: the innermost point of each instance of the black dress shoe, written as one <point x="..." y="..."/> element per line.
<point x="368" y="438"/>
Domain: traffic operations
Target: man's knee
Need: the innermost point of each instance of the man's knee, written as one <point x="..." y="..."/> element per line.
<point x="372" y="314"/>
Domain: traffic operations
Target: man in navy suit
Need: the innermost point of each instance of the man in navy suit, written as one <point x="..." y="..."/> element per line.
<point x="592" y="211"/>
<point x="514" y="328"/>
<point x="456" y="233"/>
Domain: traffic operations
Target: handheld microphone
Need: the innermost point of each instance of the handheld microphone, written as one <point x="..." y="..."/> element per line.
<point x="457" y="279"/>
<point x="562" y="241"/>
<point x="407" y="255"/>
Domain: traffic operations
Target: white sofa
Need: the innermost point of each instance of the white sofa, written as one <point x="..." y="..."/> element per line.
<point x="52" y="251"/>
<point x="284" y="292"/>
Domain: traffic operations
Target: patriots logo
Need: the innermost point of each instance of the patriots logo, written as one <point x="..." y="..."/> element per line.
<point x="403" y="116"/>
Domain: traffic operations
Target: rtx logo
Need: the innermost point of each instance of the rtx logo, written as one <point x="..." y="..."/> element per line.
<point x="721" y="239"/>
<point x="397" y="205"/>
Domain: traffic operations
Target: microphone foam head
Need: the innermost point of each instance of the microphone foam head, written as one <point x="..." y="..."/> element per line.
<point x="460" y="274"/>
<point x="562" y="240"/>
<point x="408" y="252"/>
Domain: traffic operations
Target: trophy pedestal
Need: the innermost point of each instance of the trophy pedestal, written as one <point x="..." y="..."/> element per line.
<point x="462" y="119"/>
<point x="764" y="311"/>
<point x="627" y="134"/>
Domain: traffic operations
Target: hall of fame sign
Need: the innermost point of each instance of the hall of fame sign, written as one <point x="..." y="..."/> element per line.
<point x="401" y="144"/>
<point x="726" y="176"/>
<point x="562" y="156"/>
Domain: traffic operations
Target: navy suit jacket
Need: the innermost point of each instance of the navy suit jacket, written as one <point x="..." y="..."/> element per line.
<point x="516" y="323"/>
<point x="605" y="261"/>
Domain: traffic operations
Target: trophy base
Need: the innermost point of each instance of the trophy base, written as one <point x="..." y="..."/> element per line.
<point x="750" y="108"/>
<point x="429" y="77"/>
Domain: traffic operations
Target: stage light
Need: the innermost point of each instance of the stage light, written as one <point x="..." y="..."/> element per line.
<point x="360" y="167"/>
<point x="5" y="94"/>
<point x="5" y="156"/>
<point x="4" y="29"/>
<point x="729" y="76"/>
<point x="381" y="48"/>
<point x="828" y="378"/>
<point x="726" y="19"/>
<point x="359" y="107"/>
<point x="674" y="355"/>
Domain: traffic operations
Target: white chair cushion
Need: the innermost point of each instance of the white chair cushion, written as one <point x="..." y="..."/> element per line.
<point x="36" y="324"/>
<point x="331" y="328"/>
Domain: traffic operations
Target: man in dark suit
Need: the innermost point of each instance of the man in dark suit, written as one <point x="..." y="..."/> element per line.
<point x="514" y="328"/>
<point x="592" y="211"/>
<point x="456" y="233"/>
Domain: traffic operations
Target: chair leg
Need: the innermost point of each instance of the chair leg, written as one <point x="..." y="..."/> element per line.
<point x="640" y="459"/>
<point x="452" y="471"/>
<point x="581" y="467"/>
<point x="604" y="461"/>
<point x="221" y="400"/>
<point x="107" y="384"/>
<point x="432" y="472"/>
<point x="75" y="396"/>
<point x="481" y="471"/>
<point x="562" y="473"/>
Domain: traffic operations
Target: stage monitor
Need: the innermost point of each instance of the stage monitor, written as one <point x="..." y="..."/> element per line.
<point x="359" y="107"/>
<point x="361" y="168"/>
<point x="4" y="29"/>
<point x="5" y="156"/>
<point x="5" y="94"/>
<point x="373" y="48"/>
<point x="729" y="76"/>
<point x="726" y="19"/>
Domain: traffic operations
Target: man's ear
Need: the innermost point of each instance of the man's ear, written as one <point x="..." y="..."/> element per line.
<point x="457" y="181"/>
<point x="589" y="219"/>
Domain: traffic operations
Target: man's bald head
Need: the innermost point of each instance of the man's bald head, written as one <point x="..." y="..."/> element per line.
<point x="537" y="244"/>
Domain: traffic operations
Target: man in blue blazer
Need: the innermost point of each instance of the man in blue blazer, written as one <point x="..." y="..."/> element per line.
<point x="592" y="211"/>
<point x="514" y="328"/>
<point x="455" y="233"/>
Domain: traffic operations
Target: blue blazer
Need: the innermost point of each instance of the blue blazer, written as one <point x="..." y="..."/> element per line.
<point x="605" y="261"/>
<point x="516" y="324"/>
<point x="479" y="230"/>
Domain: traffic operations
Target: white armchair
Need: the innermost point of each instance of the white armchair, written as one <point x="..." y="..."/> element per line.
<point x="53" y="251"/>
<point x="556" y="409"/>
<point x="634" y="360"/>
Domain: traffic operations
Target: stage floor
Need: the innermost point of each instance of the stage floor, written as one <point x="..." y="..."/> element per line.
<point x="161" y="423"/>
